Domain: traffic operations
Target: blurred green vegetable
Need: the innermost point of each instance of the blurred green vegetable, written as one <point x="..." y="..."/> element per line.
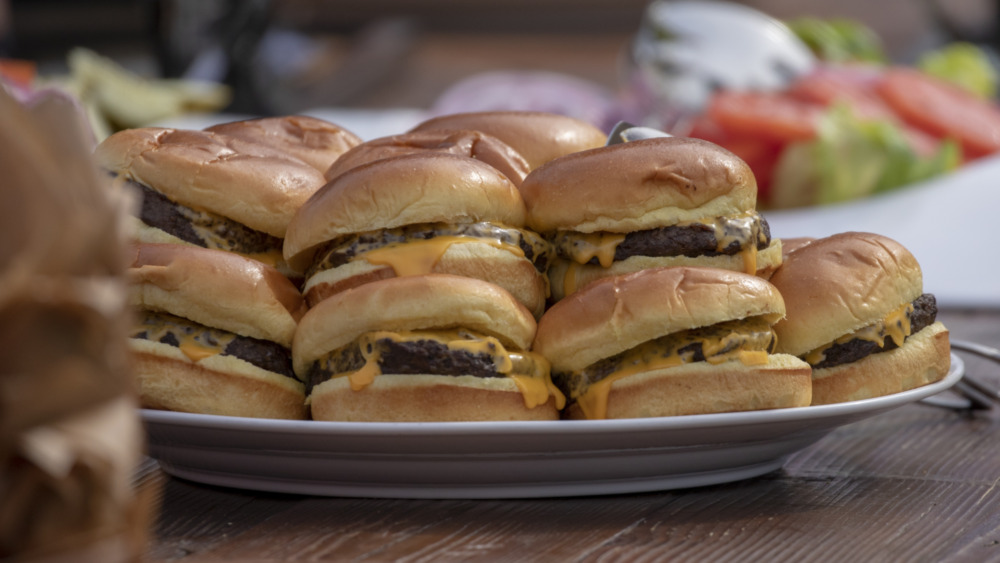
<point x="839" y="40"/>
<point x="853" y="158"/>
<point x="963" y="64"/>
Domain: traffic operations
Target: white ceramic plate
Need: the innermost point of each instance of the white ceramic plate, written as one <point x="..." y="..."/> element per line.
<point x="498" y="459"/>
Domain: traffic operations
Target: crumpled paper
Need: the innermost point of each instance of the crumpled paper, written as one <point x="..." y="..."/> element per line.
<point x="70" y="436"/>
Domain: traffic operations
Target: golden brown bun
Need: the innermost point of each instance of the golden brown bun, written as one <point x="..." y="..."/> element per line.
<point x="253" y="184"/>
<point x="638" y="185"/>
<point x="538" y="136"/>
<point x="565" y="277"/>
<point x="314" y="141"/>
<point x="222" y="385"/>
<point x="411" y="303"/>
<point x="410" y="189"/>
<point x="616" y="314"/>
<point x="836" y="285"/>
<point x="703" y="388"/>
<point x="923" y="358"/>
<point x="217" y="289"/>
<point x="482" y="261"/>
<point x="793" y="244"/>
<point x="425" y="398"/>
<point x="474" y="144"/>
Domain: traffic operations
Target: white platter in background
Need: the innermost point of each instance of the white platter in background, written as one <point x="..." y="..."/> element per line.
<point x="950" y="224"/>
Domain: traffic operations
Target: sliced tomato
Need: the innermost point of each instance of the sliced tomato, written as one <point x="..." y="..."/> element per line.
<point x="943" y="110"/>
<point x="829" y="86"/>
<point x="777" y="117"/>
<point x="761" y="155"/>
<point x="924" y="144"/>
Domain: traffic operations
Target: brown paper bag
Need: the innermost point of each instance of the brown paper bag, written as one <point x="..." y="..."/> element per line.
<point x="70" y="437"/>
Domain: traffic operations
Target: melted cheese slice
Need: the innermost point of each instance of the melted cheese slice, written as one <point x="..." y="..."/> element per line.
<point x="195" y="344"/>
<point x="417" y="257"/>
<point x="896" y="325"/>
<point x="719" y="343"/>
<point x="528" y="371"/>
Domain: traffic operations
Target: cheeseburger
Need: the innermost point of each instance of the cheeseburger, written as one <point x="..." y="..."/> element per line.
<point x="671" y="341"/>
<point x="648" y="203"/>
<point x="316" y="142"/>
<point x="417" y="214"/>
<point x="210" y="190"/>
<point x="858" y="314"/>
<point x="435" y="347"/>
<point x="213" y="333"/>
<point x="474" y="144"/>
<point x="538" y="136"/>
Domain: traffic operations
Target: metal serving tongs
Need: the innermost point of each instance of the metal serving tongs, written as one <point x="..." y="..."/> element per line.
<point x="972" y="393"/>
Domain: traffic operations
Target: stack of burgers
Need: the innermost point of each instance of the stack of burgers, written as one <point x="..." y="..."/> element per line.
<point x="494" y="266"/>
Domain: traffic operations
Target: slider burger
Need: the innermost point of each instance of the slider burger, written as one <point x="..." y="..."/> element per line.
<point x="670" y="341"/>
<point x="536" y="135"/>
<point x="210" y="190"/>
<point x="435" y="347"/>
<point x="417" y="214"/>
<point x="213" y="333"/>
<point x="643" y="204"/>
<point x="474" y="144"/>
<point x="858" y="314"/>
<point x="316" y="142"/>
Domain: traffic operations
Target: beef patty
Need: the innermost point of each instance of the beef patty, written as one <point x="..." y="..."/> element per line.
<point x="173" y="330"/>
<point x="342" y="250"/>
<point x="404" y="358"/>
<point x="924" y="314"/>
<point x="201" y="228"/>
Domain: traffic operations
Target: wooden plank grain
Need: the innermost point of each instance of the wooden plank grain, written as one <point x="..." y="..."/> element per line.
<point x="913" y="441"/>
<point x="843" y="519"/>
<point x="447" y="530"/>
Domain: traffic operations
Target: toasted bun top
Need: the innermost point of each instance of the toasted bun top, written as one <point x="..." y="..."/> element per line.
<point x="838" y="284"/>
<point x="474" y="144"/>
<point x="217" y="289"/>
<point x="615" y="314"/>
<point x="314" y="141"/>
<point x="432" y="301"/>
<point x="638" y="185"/>
<point x="425" y="187"/>
<point x="538" y="136"/>
<point x="251" y="183"/>
<point x="792" y="244"/>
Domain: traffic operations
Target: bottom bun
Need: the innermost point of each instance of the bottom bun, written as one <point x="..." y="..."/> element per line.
<point x="566" y="278"/>
<point x="425" y="398"/>
<point x="923" y="358"/>
<point x="178" y="384"/>
<point x="703" y="388"/>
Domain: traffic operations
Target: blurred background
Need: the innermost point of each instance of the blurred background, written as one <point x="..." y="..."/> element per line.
<point x="377" y="67"/>
<point x="284" y="56"/>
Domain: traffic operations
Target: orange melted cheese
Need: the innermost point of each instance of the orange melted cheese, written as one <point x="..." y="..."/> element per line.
<point x="719" y="344"/>
<point x="896" y="325"/>
<point x="580" y="248"/>
<point x="418" y="257"/>
<point x="528" y="371"/>
<point x="194" y="344"/>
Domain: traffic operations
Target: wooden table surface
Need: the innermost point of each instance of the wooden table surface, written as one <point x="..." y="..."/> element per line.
<point x="919" y="483"/>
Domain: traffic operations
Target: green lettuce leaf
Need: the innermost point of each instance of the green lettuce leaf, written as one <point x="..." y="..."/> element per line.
<point x="962" y="64"/>
<point x="852" y="158"/>
<point x="839" y="39"/>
